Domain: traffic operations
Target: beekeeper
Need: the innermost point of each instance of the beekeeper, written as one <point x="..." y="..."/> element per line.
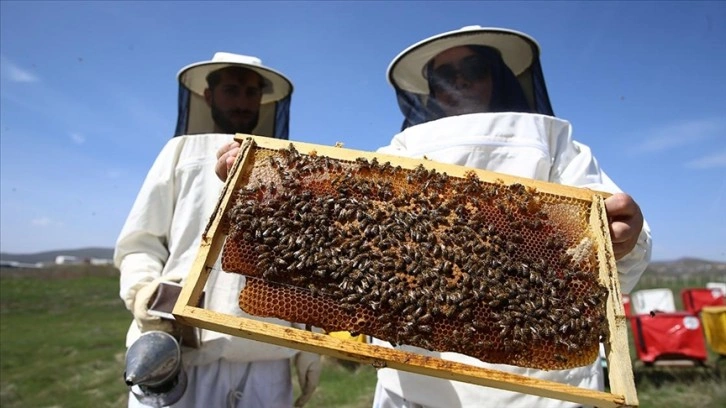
<point x="159" y="241"/>
<point x="477" y="97"/>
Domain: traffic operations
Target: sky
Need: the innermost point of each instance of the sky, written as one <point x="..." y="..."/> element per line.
<point x="88" y="97"/>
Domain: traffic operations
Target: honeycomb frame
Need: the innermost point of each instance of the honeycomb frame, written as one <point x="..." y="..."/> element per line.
<point x="620" y="370"/>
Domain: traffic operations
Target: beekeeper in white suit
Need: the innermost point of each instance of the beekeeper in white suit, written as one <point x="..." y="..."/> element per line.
<point x="159" y="241"/>
<point x="476" y="97"/>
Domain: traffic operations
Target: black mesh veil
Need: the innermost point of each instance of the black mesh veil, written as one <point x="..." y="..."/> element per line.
<point x="523" y="92"/>
<point x="195" y="117"/>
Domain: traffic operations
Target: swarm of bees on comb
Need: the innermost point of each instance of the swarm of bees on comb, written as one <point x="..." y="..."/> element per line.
<point x="502" y="273"/>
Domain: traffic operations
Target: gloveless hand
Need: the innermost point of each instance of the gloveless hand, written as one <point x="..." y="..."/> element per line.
<point x="626" y="222"/>
<point x="226" y="155"/>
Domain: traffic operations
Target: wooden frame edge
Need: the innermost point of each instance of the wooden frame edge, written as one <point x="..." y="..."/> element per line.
<point x="617" y="351"/>
<point x="381" y="357"/>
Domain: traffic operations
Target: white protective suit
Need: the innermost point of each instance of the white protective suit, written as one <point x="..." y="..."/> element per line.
<point x="520" y="144"/>
<point x="161" y="236"/>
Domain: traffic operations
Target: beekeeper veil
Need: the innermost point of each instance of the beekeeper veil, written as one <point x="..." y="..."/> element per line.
<point x="195" y="115"/>
<point x="512" y="59"/>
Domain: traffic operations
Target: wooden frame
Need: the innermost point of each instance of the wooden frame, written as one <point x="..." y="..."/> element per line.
<point x="622" y="385"/>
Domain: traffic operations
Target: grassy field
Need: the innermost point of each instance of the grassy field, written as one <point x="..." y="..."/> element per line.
<point x="62" y="341"/>
<point x="61" y="345"/>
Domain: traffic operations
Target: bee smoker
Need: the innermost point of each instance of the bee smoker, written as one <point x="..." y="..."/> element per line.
<point x="154" y="372"/>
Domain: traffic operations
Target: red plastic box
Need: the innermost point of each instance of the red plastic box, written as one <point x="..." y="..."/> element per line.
<point x="668" y="336"/>
<point x="694" y="299"/>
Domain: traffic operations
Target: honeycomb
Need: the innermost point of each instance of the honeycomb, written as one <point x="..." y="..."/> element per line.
<point x="502" y="273"/>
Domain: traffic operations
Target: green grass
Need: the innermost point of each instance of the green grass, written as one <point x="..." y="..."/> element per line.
<point x="344" y="385"/>
<point x="680" y="387"/>
<point x="62" y="345"/>
<point x="61" y="342"/>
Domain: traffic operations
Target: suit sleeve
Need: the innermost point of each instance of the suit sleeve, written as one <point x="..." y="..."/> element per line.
<point x="142" y="246"/>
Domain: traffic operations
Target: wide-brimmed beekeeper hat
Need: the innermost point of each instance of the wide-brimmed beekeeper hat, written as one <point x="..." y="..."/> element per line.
<point x="520" y="53"/>
<point x="194" y="113"/>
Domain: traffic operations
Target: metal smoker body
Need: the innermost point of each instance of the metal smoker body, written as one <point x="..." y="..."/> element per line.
<point x="154" y="371"/>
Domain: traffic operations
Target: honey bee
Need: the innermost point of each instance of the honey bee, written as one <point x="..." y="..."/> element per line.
<point x="352" y="298"/>
<point x="425" y="319"/>
<point x="508" y="345"/>
<point x="469" y="301"/>
<point x="313" y="290"/>
<point x="581" y="336"/>
<point x="449" y="311"/>
<point x="407" y="330"/>
<point x="454" y="297"/>
<point x="570" y="345"/>
<point x="515" y="314"/>
<point x="396" y="304"/>
<point x="518" y="344"/>
<point x="535" y="332"/>
<point x="494" y="303"/>
<point x="464" y="315"/>
<point x="548" y="332"/>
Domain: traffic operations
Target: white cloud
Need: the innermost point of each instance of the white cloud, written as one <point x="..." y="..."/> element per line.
<point x="77" y="138"/>
<point x="709" y="161"/>
<point x="15" y="73"/>
<point x="678" y="134"/>
<point x="41" y="222"/>
<point x="44" y="222"/>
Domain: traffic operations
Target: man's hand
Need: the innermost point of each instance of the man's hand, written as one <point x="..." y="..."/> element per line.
<point x="308" y="374"/>
<point x="626" y="222"/>
<point x="144" y="320"/>
<point x="226" y="156"/>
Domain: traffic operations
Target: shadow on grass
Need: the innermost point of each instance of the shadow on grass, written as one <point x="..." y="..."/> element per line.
<point x="663" y="376"/>
<point x="665" y="387"/>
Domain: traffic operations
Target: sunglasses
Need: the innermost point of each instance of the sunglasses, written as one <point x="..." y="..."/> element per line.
<point x="471" y="68"/>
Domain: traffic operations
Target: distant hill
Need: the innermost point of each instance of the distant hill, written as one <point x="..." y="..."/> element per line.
<point x="49" y="256"/>
<point x="687" y="266"/>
